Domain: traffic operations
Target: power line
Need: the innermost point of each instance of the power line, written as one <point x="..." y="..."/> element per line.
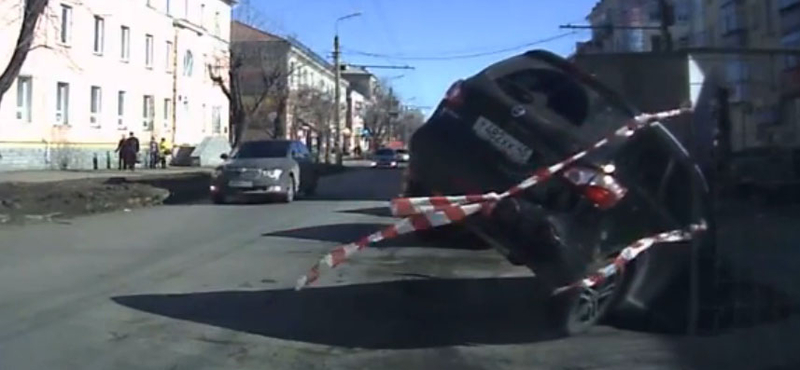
<point x="463" y="56"/>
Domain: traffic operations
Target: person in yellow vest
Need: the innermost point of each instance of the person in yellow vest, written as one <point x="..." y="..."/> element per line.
<point x="166" y="150"/>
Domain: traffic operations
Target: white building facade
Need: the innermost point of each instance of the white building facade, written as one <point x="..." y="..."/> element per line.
<point x="100" y="69"/>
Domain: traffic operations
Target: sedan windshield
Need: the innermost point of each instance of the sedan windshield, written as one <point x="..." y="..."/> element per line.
<point x="262" y="149"/>
<point x="384" y="152"/>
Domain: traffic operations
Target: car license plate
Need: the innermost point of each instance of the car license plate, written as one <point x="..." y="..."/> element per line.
<point x="240" y="184"/>
<point x="502" y="141"/>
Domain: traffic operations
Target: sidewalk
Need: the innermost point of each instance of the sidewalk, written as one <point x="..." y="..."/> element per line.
<point x="43" y="176"/>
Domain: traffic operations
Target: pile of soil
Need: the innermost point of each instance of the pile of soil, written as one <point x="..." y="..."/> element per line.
<point x="21" y="202"/>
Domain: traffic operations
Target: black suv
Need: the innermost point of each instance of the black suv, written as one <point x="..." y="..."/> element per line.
<point x="497" y="127"/>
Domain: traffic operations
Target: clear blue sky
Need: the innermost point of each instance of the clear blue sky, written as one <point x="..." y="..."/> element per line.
<point x="426" y="28"/>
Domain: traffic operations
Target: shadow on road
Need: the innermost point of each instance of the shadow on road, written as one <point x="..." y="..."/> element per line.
<point x="391" y="315"/>
<point x="352" y="232"/>
<point x="188" y="188"/>
<point x="374" y="211"/>
<point x="361" y="184"/>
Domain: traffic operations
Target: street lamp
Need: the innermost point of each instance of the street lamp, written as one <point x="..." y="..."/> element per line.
<point x="337" y="90"/>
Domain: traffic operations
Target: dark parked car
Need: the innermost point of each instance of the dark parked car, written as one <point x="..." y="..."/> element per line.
<point x="494" y="129"/>
<point x="385" y="158"/>
<point x="271" y="167"/>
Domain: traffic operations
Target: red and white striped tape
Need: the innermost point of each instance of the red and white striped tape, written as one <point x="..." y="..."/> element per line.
<point x="630" y="252"/>
<point x="429" y="212"/>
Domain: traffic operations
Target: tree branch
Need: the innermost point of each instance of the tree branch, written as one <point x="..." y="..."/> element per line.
<point x="33" y="9"/>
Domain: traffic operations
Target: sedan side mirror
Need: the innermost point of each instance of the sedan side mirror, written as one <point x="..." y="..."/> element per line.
<point x="224" y="156"/>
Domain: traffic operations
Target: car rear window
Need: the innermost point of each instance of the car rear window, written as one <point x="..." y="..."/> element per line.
<point x="262" y="149"/>
<point x="384" y="152"/>
<point x="594" y="114"/>
<point x="564" y="95"/>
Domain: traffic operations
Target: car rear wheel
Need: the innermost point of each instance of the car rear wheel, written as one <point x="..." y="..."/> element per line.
<point x="575" y="311"/>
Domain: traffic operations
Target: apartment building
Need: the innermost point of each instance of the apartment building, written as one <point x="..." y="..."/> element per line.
<point x="100" y="69"/>
<point x="621" y="26"/>
<point x="298" y="67"/>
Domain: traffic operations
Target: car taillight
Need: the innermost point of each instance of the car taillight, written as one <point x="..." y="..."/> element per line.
<point x="602" y="189"/>
<point x="455" y="95"/>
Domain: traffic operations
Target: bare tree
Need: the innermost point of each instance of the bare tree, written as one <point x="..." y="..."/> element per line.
<point x="380" y="116"/>
<point x="313" y="108"/>
<point x="31" y="13"/>
<point x="409" y="121"/>
<point x="256" y="85"/>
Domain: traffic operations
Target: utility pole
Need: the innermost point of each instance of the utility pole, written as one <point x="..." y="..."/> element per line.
<point x="337" y="73"/>
<point x="337" y="96"/>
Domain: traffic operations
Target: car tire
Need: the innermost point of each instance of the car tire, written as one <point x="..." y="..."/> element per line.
<point x="577" y="310"/>
<point x="288" y="197"/>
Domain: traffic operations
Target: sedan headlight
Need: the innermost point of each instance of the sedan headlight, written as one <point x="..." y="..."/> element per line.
<point x="273" y="173"/>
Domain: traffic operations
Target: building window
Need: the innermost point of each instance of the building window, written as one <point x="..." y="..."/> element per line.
<point x="188" y="62"/>
<point x="216" y="24"/>
<point x="62" y="103"/>
<point x="66" y="24"/>
<point x="95" y="105"/>
<point x="121" y="110"/>
<point x="99" y="35"/>
<point x="216" y="120"/>
<point x="170" y="57"/>
<point x="203" y="15"/>
<point x="24" y="95"/>
<point x="169" y="7"/>
<point x="148" y="112"/>
<point x="125" y="43"/>
<point x="186" y="9"/>
<point x="167" y="112"/>
<point x="148" y="51"/>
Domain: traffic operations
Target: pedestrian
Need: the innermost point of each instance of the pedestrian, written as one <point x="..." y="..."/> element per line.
<point x="131" y="151"/>
<point x="154" y="153"/>
<point x="166" y="151"/>
<point x="120" y="158"/>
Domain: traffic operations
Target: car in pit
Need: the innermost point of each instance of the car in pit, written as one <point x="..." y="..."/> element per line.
<point x="496" y="128"/>
<point x="265" y="168"/>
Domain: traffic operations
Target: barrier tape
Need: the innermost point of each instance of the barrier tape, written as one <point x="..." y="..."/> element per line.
<point x="424" y="213"/>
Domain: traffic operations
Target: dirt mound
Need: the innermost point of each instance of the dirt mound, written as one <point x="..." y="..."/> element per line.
<point x="20" y="202"/>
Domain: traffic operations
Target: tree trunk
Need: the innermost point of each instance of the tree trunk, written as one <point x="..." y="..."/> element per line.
<point x="33" y="9"/>
<point x="319" y="146"/>
<point x="327" y="146"/>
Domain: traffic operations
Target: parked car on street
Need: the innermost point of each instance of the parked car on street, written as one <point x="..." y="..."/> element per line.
<point x="385" y="158"/>
<point x="494" y="129"/>
<point x="279" y="168"/>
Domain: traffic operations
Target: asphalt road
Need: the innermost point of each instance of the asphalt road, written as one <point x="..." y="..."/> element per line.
<point x="198" y="286"/>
